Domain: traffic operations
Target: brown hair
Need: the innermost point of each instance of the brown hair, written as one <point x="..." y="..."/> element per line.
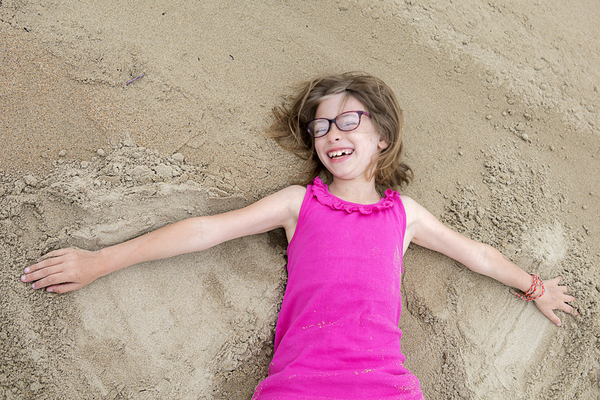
<point x="293" y="115"/>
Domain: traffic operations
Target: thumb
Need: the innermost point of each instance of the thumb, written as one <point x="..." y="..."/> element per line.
<point x="552" y="317"/>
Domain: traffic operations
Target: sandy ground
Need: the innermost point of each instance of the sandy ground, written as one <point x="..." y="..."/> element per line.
<point x="502" y="109"/>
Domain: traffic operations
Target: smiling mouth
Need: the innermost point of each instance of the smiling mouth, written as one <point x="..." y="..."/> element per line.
<point x="339" y="153"/>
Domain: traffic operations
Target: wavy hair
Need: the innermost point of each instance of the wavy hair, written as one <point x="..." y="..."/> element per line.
<point x="291" y="118"/>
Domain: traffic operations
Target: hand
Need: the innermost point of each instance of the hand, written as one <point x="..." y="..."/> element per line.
<point x="555" y="298"/>
<point x="64" y="270"/>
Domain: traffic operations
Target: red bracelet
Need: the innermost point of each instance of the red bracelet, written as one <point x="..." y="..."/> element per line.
<point x="529" y="294"/>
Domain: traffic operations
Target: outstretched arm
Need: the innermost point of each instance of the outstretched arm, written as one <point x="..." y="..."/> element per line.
<point x="425" y="230"/>
<point x="70" y="269"/>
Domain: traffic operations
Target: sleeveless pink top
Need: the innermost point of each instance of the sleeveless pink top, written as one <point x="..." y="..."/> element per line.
<point x="337" y="335"/>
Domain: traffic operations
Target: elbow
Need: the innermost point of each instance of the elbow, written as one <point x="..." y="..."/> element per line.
<point x="482" y="259"/>
<point x="200" y="239"/>
<point x="192" y="235"/>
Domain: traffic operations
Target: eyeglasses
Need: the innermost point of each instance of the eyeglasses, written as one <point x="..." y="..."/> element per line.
<point x="346" y="121"/>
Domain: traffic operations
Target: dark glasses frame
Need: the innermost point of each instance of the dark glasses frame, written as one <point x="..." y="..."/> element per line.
<point x="311" y="124"/>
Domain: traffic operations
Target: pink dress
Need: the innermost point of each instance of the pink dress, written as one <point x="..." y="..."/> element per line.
<point x="337" y="335"/>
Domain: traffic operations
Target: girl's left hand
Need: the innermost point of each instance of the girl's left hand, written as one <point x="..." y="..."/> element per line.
<point x="555" y="298"/>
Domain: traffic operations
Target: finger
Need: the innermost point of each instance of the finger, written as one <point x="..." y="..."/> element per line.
<point x="563" y="289"/>
<point x="557" y="279"/>
<point x="54" y="279"/>
<point x="568" y="299"/>
<point x="55" y="253"/>
<point x="553" y="317"/>
<point x="43" y="264"/>
<point x="63" y="288"/>
<point x="575" y="313"/>
<point x="40" y="274"/>
<point x="570" y="310"/>
<point x="554" y="281"/>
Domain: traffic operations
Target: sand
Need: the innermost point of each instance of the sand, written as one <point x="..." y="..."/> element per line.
<point x="502" y="110"/>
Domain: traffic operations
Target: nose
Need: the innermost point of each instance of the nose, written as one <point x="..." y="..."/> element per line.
<point x="334" y="134"/>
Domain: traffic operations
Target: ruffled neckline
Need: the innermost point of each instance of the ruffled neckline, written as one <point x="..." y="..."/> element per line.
<point x="321" y="192"/>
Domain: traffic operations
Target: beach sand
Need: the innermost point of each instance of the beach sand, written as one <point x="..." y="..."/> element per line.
<point x="502" y="125"/>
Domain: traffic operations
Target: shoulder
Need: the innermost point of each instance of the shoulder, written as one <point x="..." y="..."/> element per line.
<point x="292" y="194"/>
<point x="290" y="198"/>
<point x="280" y="209"/>
<point x="294" y="191"/>
<point x="424" y="229"/>
<point x="419" y="221"/>
<point x="285" y="206"/>
<point x="411" y="207"/>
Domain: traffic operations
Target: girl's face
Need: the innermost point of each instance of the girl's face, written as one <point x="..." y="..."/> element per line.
<point x="347" y="155"/>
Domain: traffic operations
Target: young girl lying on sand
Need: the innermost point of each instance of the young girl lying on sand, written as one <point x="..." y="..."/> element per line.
<point x="337" y="334"/>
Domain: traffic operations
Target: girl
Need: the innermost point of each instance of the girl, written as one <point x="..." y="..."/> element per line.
<point x="337" y="334"/>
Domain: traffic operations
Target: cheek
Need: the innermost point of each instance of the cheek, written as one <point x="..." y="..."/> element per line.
<point x="377" y="142"/>
<point x="319" y="150"/>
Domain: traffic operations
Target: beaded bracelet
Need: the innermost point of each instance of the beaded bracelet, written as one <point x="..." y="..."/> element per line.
<point x="529" y="294"/>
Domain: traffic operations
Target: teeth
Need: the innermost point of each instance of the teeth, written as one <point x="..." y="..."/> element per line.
<point x="338" y="153"/>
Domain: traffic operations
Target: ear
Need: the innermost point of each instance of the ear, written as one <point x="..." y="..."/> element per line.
<point x="382" y="144"/>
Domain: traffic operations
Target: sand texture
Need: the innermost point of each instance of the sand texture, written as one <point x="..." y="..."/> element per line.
<point x="502" y="127"/>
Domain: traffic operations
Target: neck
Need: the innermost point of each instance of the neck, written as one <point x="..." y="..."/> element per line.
<point x="355" y="191"/>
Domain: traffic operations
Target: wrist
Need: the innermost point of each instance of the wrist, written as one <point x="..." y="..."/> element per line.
<point x="107" y="262"/>
<point x="535" y="291"/>
<point x="539" y="290"/>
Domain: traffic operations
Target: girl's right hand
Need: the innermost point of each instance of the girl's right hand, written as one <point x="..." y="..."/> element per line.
<point x="64" y="270"/>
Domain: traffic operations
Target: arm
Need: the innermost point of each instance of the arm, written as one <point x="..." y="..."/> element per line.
<point x="424" y="229"/>
<point x="69" y="269"/>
